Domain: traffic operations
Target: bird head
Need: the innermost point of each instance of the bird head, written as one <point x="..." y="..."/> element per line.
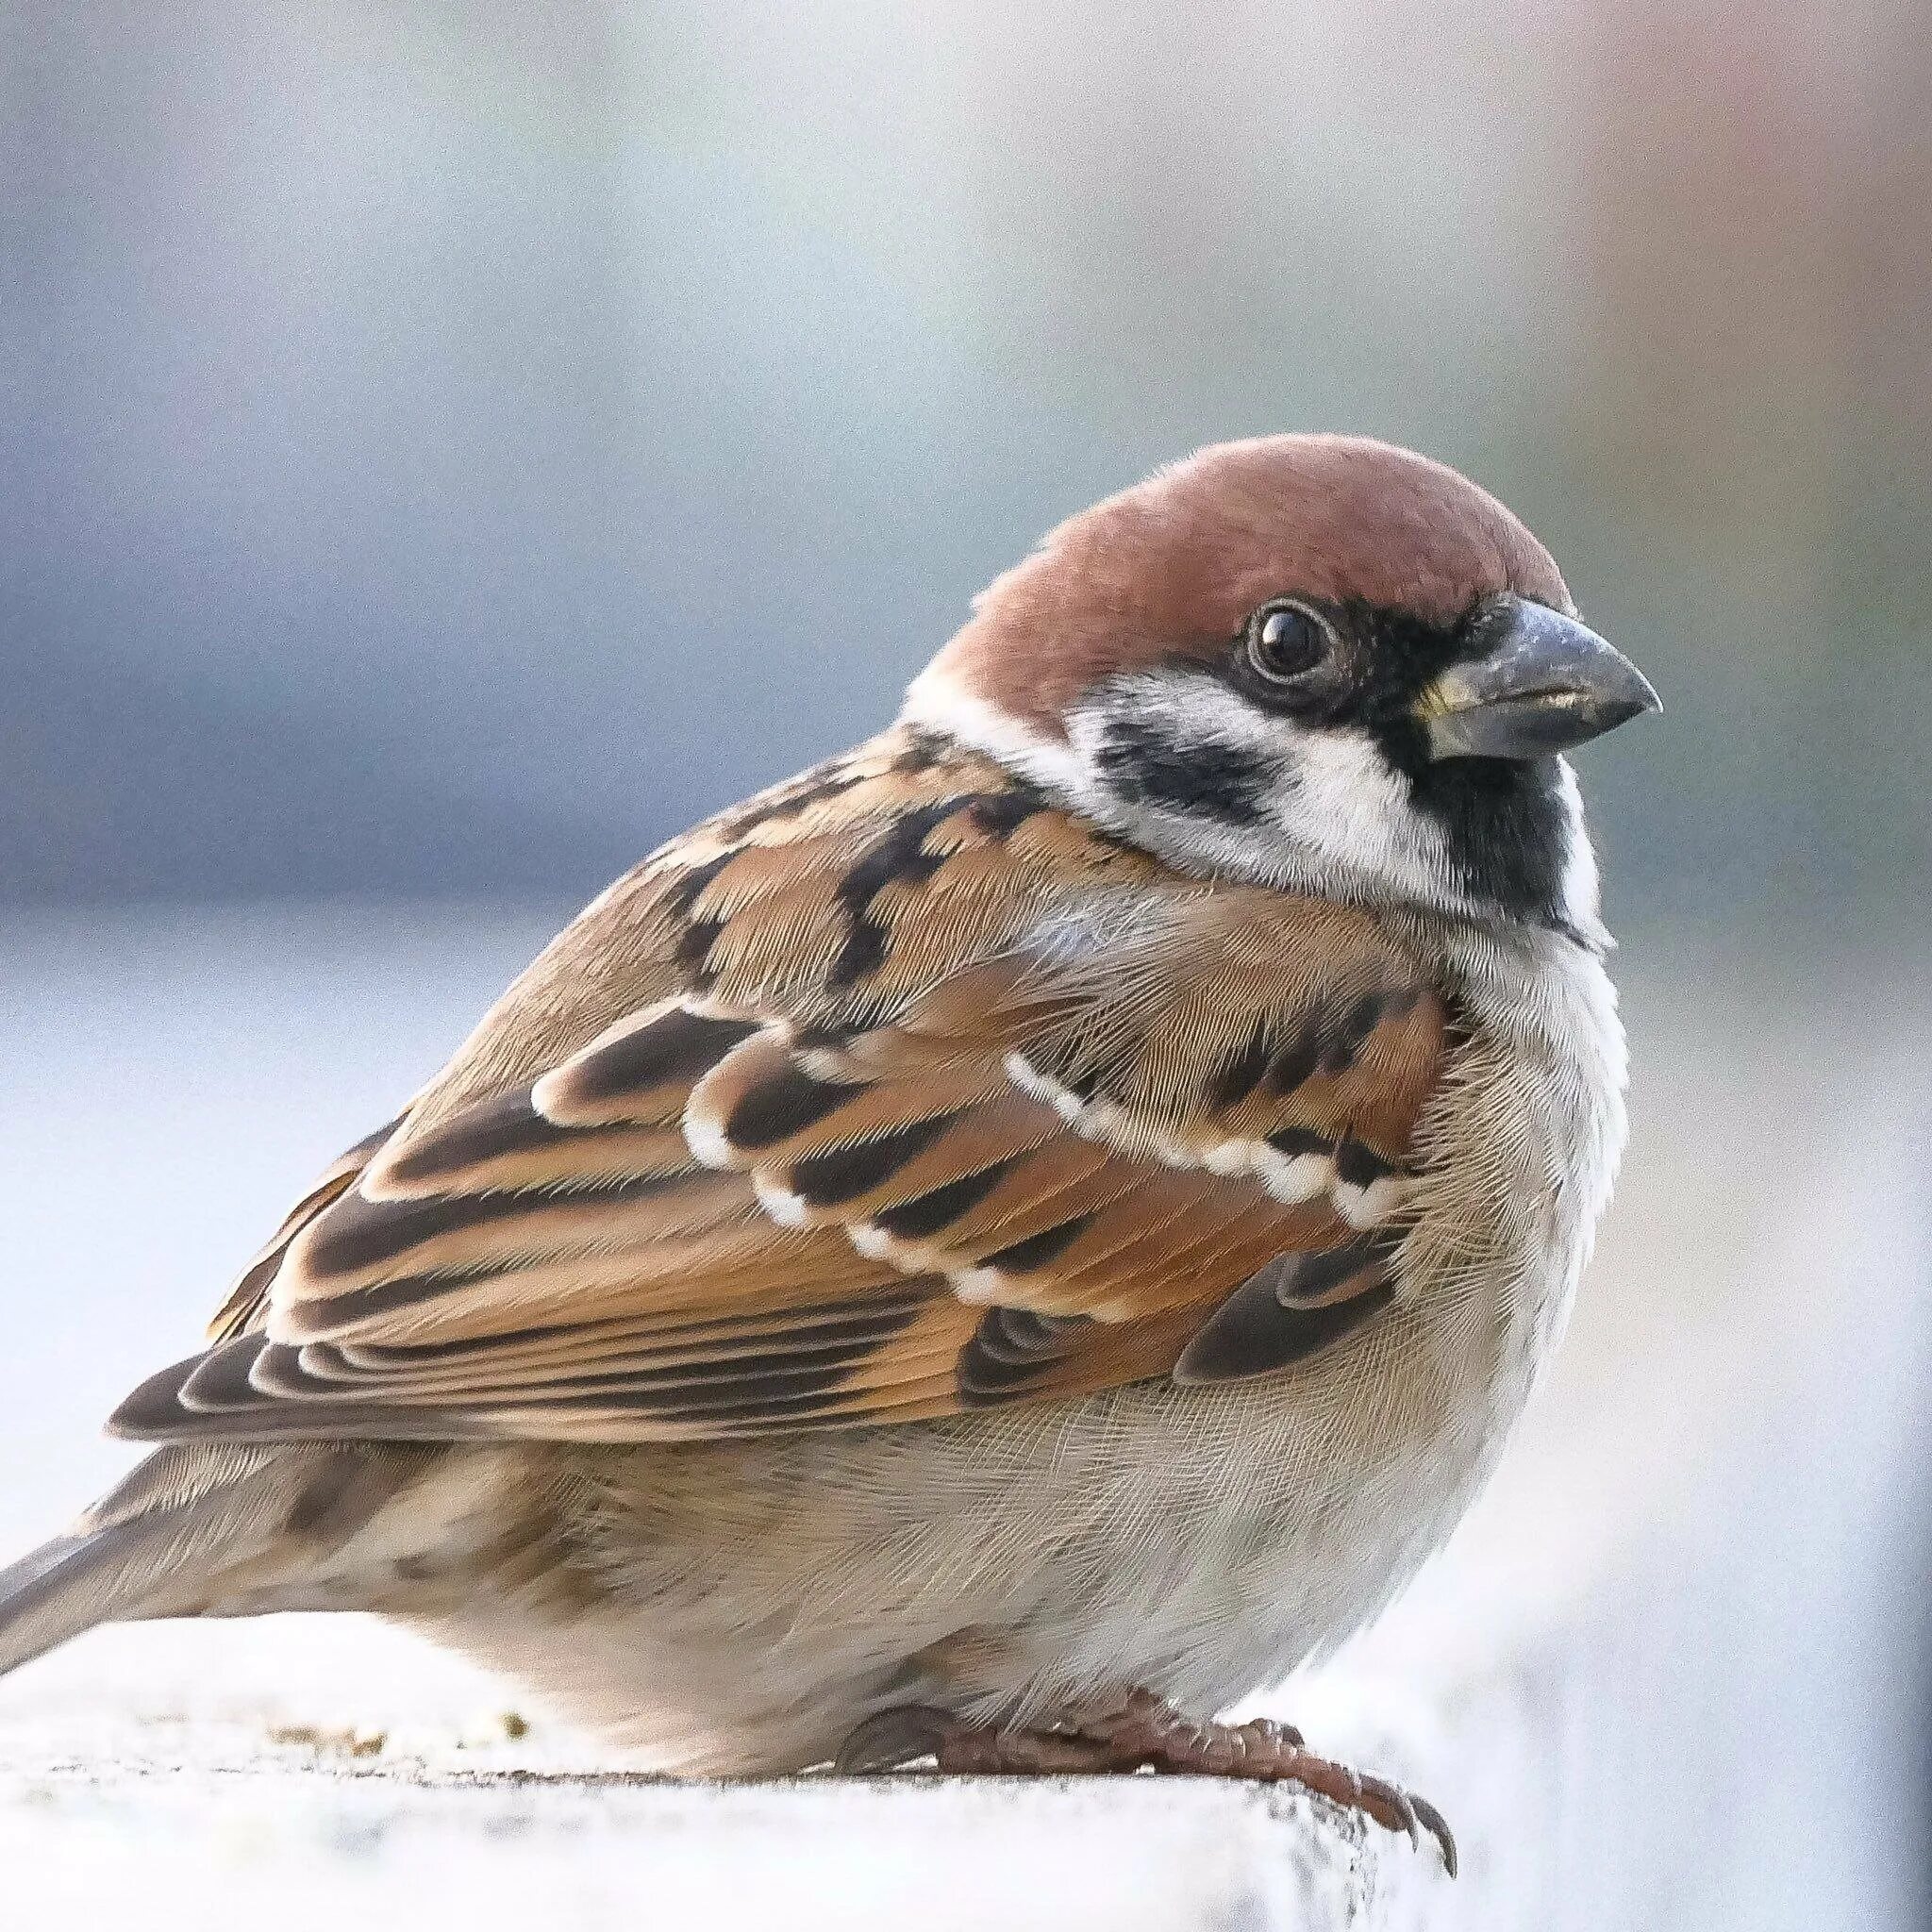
<point x="1312" y="662"/>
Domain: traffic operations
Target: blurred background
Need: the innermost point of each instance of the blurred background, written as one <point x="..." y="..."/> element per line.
<point x="448" y="447"/>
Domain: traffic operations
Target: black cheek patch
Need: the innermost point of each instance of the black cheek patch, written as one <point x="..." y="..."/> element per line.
<point x="1143" y="765"/>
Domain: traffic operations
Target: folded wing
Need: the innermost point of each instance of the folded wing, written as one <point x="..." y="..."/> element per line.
<point x="1044" y="1139"/>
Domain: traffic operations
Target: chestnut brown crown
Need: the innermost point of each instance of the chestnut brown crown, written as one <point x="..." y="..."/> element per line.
<point x="1171" y="567"/>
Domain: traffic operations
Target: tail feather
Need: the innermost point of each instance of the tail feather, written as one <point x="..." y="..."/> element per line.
<point x="169" y="1540"/>
<point x="63" y="1587"/>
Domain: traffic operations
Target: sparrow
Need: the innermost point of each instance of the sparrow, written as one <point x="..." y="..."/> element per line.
<point x="1005" y="1244"/>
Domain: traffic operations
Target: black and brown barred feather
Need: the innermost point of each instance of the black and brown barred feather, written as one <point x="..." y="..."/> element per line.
<point x="894" y="1091"/>
<point x="248" y="1298"/>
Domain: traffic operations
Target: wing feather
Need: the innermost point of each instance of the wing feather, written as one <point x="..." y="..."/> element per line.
<point x="894" y="1093"/>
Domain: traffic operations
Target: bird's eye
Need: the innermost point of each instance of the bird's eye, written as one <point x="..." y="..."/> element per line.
<point x="1285" y="639"/>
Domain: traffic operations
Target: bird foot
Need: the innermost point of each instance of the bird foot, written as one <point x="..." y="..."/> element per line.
<point x="1143" y="1734"/>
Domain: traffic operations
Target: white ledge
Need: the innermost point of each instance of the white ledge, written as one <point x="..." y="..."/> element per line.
<point x="1662" y="1679"/>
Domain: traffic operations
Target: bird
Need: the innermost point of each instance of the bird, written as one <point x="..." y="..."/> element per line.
<point x="1003" y="1245"/>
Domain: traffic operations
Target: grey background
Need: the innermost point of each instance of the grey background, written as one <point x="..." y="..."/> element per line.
<point x="451" y="446"/>
<point x="444" y="448"/>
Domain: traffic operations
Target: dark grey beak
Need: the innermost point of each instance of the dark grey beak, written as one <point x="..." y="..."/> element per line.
<point x="1544" y="683"/>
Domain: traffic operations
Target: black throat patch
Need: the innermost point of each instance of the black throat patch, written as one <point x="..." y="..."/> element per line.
<point x="1503" y="824"/>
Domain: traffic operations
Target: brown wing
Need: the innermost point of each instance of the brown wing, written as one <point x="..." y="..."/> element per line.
<point x="247" y="1300"/>
<point x="952" y="1103"/>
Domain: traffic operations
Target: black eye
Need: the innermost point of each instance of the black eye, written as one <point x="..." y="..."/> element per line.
<point x="1285" y="639"/>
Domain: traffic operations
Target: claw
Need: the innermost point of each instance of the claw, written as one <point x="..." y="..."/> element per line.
<point x="1141" y="1734"/>
<point x="1407" y="1819"/>
<point x="1272" y="1731"/>
<point x="891" y="1739"/>
<point x="1145" y="1731"/>
<point x="1437" y="1826"/>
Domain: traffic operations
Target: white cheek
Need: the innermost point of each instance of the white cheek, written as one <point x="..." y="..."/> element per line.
<point x="1334" y="819"/>
<point x="1195" y="717"/>
<point x="939" y="701"/>
<point x="1581" y="887"/>
<point x="1346" y="808"/>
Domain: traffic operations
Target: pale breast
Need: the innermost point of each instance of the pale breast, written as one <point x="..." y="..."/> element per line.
<point x="1201" y="1541"/>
